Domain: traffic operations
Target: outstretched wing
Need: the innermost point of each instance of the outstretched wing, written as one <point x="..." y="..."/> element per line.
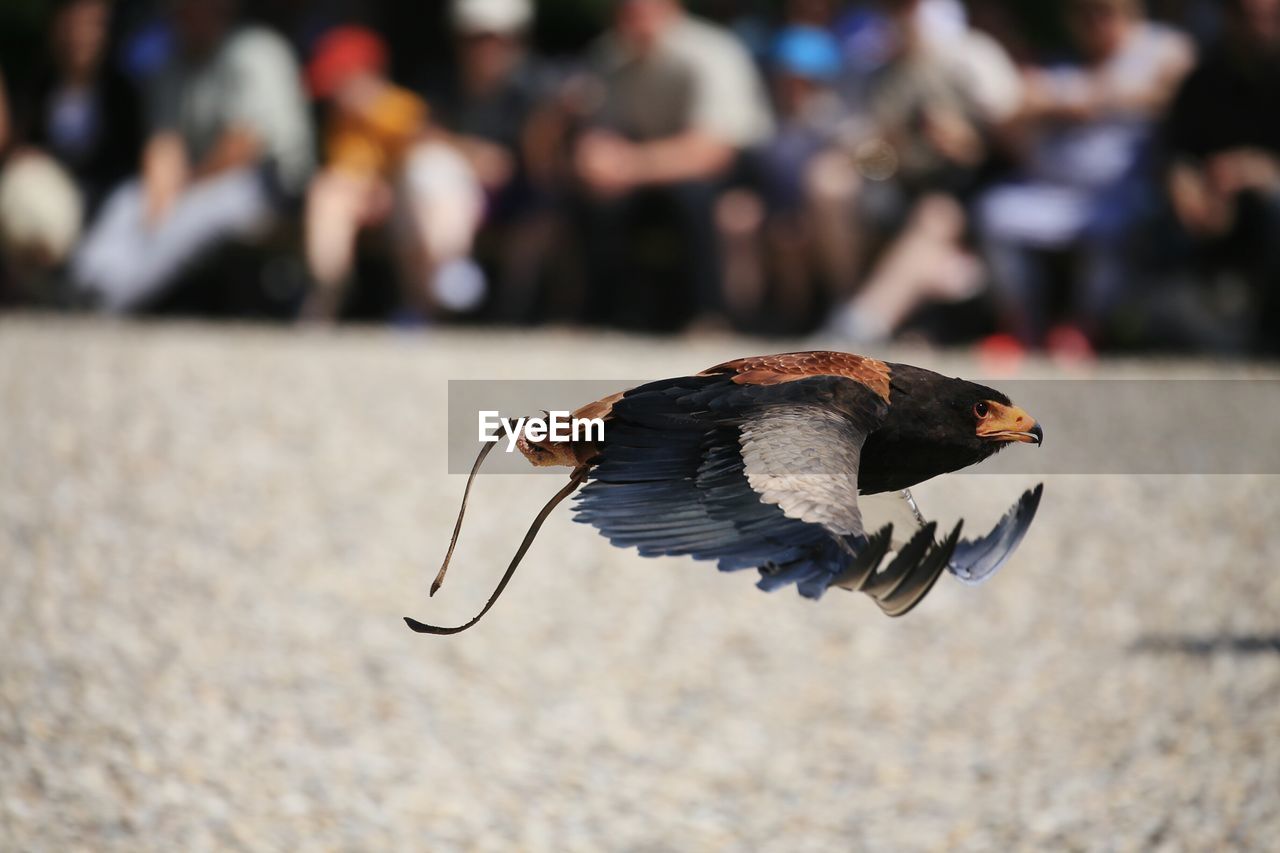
<point x="977" y="560"/>
<point x="754" y="474"/>
<point x="974" y="560"/>
<point x="675" y="475"/>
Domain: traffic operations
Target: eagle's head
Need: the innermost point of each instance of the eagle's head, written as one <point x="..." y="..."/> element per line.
<point x="937" y="424"/>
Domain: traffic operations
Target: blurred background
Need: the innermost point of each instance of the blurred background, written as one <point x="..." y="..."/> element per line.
<point x="1074" y="176"/>
<point x="245" y="245"/>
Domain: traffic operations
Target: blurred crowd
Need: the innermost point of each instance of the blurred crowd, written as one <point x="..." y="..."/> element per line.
<point x="1075" y="175"/>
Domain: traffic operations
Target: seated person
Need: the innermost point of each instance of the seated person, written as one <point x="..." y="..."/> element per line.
<point x="371" y="128"/>
<point x="1085" y="185"/>
<point x="82" y="119"/>
<point x="768" y="235"/>
<point x="680" y="100"/>
<point x="230" y="146"/>
<point x="931" y="115"/>
<point x="491" y="110"/>
<point x="79" y="110"/>
<point x="1224" y="138"/>
<point x="438" y="182"/>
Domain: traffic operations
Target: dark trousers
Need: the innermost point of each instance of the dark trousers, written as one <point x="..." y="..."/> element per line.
<point x="1252" y="249"/>
<point x="652" y="256"/>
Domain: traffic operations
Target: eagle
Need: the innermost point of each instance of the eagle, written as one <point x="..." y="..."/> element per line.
<point x="797" y="465"/>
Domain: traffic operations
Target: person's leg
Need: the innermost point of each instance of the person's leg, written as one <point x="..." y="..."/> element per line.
<point x="831" y="188"/>
<point x="1266" y="274"/>
<point x="795" y="293"/>
<point x="110" y="250"/>
<point x="441" y="207"/>
<point x="695" y="207"/>
<point x="602" y="228"/>
<point x="527" y="246"/>
<point x="1020" y="289"/>
<point x="740" y="218"/>
<point x="925" y="263"/>
<point x="338" y="206"/>
<point x="1106" y="279"/>
<point x="126" y="261"/>
<point x="1108" y="249"/>
<point x="1018" y="277"/>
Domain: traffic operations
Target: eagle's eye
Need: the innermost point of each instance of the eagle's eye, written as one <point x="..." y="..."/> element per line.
<point x="981" y="409"/>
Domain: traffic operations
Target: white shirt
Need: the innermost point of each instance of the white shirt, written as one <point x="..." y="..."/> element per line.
<point x="698" y="77"/>
<point x="251" y="80"/>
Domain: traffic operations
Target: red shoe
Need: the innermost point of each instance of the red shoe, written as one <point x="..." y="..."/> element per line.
<point x="1068" y="345"/>
<point x="1001" y="354"/>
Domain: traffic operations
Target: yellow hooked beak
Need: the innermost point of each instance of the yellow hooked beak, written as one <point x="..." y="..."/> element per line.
<point x="1007" y="423"/>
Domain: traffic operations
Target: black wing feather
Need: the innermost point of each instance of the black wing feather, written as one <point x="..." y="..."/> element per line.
<point x="977" y="560"/>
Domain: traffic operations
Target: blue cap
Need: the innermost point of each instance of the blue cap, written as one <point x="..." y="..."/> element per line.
<point x="807" y="52"/>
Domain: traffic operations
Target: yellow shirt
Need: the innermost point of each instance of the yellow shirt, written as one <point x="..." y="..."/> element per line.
<point x="374" y="141"/>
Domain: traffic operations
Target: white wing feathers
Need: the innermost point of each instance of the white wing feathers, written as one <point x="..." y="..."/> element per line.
<point x="804" y="460"/>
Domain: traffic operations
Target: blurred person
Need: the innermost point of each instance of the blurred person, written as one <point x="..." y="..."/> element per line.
<point x="933" y="112"/>
<point x="371" y="127"/>
<point x="1223" y="134"/>
<point x="41" y="212"/>
<point x="444" y="178"/>
<point x="230" y="148"/>
<point x="492" y="114"/>
<point x="81" y="119"/>
<point x="771" y="234"/>
<point x="1086" y="186"/>
<point x="681" y="102"/>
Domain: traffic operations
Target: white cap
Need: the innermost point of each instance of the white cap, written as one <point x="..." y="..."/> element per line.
<point x="491" y="16"/>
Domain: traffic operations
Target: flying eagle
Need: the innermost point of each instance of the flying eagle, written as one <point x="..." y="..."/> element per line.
<point x="797" y="465"/>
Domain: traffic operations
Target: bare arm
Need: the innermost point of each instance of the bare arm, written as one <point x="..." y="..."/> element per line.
<point x="1153" y="98"/>
<point x="690" y="156"/>
<point x="165" y="172"/>
<point x="1092" y="94"/>
<point x="237" y="147"/>
<point x="1201" y="209"/>
<point x="610" y="164"/>
<point x="542" y="142"/>
<point x="493" y="165"/>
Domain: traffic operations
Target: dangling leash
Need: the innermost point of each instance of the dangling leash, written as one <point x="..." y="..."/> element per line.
<point x="569" y="488"/>
<point x="462" y="510"/>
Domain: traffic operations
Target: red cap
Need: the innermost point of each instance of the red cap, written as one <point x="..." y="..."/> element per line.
<point x="340" y="53"/>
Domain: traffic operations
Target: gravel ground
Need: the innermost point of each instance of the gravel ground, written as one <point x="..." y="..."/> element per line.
<point x="209" y="536"/>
